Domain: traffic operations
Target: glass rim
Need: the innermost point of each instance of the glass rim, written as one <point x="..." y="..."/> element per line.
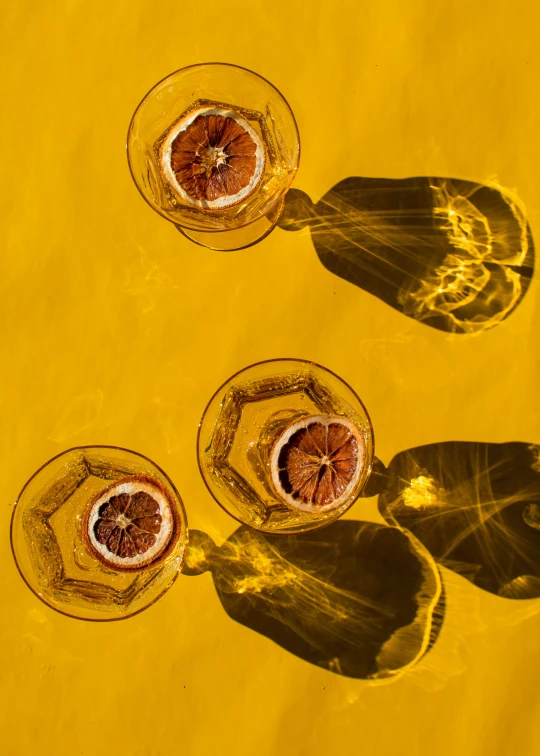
<point x="203" y="65"/>
<point x="306" y="362"/>
<point x="36" y="473"/>
<point x="183" y="229"/>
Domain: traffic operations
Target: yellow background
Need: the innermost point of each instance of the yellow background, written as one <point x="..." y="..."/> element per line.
<point x="116" y="330"/>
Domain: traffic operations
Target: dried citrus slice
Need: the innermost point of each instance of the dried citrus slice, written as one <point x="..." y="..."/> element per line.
<point x="316" y="463"/>
<point x="213" y="158"/>
<point x="132" y="525"/>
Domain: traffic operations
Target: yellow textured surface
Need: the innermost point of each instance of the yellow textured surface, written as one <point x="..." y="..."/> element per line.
<point x="116" y="330"/>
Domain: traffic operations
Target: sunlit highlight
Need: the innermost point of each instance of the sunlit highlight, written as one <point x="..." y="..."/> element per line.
<point x="423" y="492"/>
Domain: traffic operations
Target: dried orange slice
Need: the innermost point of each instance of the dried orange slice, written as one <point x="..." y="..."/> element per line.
<point x="213" y="158"/>
<point x="316" y="463"/>
<point x="132" y="525"/>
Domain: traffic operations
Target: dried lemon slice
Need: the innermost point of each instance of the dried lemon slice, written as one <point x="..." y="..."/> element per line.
<point x="132" y="525"/>
<point x="316" y="463"/>
<point x="212" y="157"/>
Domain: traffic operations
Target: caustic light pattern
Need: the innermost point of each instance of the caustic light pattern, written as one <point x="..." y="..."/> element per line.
<point x="454" y="255"/>
<point x="365" y="600"/>
<point x="359" y="599"/>
<point x="475" y="507"/>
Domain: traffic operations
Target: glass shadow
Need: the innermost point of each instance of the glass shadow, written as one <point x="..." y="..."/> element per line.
<point x="366" y="600"/>
<point x="452" y="254"/>
<point x="474" y="506"/>
<point x="360" y="599"/>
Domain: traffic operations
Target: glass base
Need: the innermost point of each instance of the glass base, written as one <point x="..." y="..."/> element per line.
<point x="49" y="548"/>
<point x="239" y="428"/>
<point x="239" y="238"/>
